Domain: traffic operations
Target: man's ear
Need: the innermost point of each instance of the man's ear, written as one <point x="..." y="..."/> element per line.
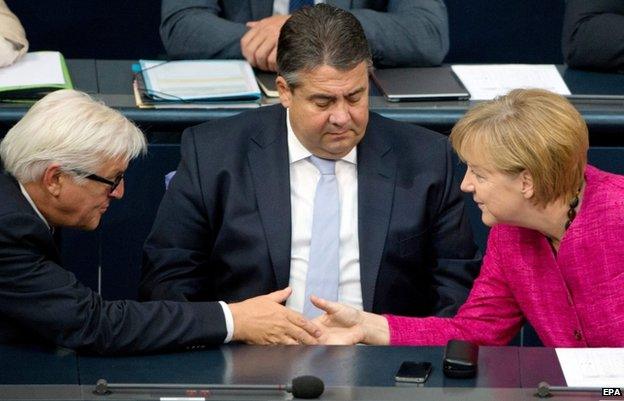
<point x="52" y="179"/>
<point x="526" y="182"/>
<point x="284" y="91"/>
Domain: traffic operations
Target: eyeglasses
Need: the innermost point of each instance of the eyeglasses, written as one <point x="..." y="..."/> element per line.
<point x="94" y="177"/>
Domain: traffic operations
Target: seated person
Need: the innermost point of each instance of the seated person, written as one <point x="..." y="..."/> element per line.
<point x="383" y="228"/>
<point x="13" y="43"/>
<point x="400" y="32"/>
<point x="64" y="163"/>
<point x="555" y="253"/>
<point x="593" y="34"/>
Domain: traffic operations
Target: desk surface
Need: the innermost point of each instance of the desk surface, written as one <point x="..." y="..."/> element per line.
<point x="349" y="373"/>
<point x="111" y="81"/>
<point x="605" y="117"/>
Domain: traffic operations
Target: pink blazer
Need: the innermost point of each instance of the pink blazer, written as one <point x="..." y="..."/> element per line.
<point x="572" y="299"/>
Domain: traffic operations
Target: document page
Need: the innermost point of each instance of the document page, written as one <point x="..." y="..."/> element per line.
<point x="486" y="81"/>
<point x="592" y="367"/>
<point x="199" y="79"/>
<point x="38" y="68"/>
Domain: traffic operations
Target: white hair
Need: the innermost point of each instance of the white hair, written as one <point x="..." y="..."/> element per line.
<point x="68" y="127"/>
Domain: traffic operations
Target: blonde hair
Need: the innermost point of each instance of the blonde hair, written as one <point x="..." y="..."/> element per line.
<point x="528" y="129"/>
<point x="70" y="128"/>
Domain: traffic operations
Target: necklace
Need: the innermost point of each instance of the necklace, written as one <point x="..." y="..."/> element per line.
<point x="572" y="211"/>
<point x="554" y="242"/>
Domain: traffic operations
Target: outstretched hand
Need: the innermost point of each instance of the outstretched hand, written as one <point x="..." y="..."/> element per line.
<point x="340" y="324"/>
<point x="263" y="320"/>
<point x="345" y="325"/>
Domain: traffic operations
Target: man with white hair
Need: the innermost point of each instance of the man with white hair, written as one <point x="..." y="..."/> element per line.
<point x="63" y="164"/>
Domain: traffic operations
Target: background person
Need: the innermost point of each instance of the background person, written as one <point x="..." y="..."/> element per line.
<point x="13" y="43"/>
<point x="400" y="32"/>
<point x="593" y="34"/>
<point x="555" y="253"/>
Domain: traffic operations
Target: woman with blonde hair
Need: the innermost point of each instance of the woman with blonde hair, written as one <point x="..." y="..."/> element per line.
<point x="555" y="253"/>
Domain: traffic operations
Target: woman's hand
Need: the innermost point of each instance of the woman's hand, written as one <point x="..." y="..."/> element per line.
<point x="345" y="325"/>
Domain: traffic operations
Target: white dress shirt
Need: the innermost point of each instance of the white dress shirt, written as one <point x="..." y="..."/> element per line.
<point x="32" y="203"/>
<point x="280" y="7"/>
<point x="303" y="180"/>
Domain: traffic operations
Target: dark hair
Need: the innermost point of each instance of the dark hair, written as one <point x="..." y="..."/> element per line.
<point x="320" y="35"/>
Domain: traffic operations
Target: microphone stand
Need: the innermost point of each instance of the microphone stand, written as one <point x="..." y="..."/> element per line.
<point x="102" y="387"/>
<point x="545" y="390"/>
<point x="306" y="387"/>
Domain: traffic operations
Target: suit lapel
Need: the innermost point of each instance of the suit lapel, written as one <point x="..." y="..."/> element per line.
<point x="376" y="181"/>
<point x="268" y="161"/>
<point x="13" y="189"/>
<point x="261" y="9"/>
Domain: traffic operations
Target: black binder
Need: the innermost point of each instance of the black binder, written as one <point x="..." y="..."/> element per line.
<point x="411" y="84"/>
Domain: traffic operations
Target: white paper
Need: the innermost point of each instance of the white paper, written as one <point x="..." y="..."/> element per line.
<point x="486" y="81"/>
<point x="592" y="367"/>
<point x="38" y="68"/>
<point x="199" y="79"/>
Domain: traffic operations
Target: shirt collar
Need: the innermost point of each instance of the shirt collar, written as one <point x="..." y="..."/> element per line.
<point x="296" y="150"/>
<point x="32" y="203"/>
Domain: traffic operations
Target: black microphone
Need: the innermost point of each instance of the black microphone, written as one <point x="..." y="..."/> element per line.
<point x="545" y="390"/>
<point x="306" y="387"/>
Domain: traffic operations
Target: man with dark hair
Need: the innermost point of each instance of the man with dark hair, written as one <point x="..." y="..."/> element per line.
<point x="317" y="194"/>
<point x="400" y="32"/>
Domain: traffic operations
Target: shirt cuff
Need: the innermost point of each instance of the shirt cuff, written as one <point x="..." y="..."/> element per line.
<point x="229" y="322"/>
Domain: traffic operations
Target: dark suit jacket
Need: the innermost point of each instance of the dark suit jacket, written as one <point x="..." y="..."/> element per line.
<point x="223" y="230"/>
<point x="400" y="32"/>
<point x="593" y="34"/>
<point x="41" y="301"/>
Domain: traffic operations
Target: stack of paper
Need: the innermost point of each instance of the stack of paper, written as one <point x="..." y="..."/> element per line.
<point x="485" y="82"/>
<point x="196" y="84"/>
<point x="33" y="76"/>
<point x="592" y="367"/>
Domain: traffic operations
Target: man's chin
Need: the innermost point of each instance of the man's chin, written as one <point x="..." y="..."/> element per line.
<point x="93" y="225"/>
<point x="339" y="149"/>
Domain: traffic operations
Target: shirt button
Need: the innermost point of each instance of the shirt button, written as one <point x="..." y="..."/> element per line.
<point x="577" y="335"/>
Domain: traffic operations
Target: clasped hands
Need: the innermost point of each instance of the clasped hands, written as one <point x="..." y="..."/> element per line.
<point x="264" y="320"/>
<point x="259" y="43"/>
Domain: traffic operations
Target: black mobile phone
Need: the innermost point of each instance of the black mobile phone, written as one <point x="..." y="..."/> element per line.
<point x="460" y="359"/>
<point x="413" y="372"/>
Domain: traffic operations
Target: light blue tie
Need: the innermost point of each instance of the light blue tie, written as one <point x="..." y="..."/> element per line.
<point x="295" y="5"/>
<point x="323" y="268"/>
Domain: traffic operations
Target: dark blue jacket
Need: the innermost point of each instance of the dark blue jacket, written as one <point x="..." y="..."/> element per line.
<point x="42" y="302"/>
<point x="223" y="230"/>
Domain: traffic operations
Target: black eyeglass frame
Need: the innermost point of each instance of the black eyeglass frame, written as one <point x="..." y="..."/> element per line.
<point x="94" y="177"/>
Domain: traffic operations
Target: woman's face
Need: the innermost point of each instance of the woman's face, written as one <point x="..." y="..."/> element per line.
<point x="500" y="196"/>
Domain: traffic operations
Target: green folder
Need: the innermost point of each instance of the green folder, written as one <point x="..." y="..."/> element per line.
<point x="25" y="81"/>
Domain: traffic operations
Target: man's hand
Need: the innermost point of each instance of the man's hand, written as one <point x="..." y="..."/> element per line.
<point x="345" y="325"/>
<point x="263" y="320"/>
<point x="259" y="44"/>
<point x="8" y="53"/>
